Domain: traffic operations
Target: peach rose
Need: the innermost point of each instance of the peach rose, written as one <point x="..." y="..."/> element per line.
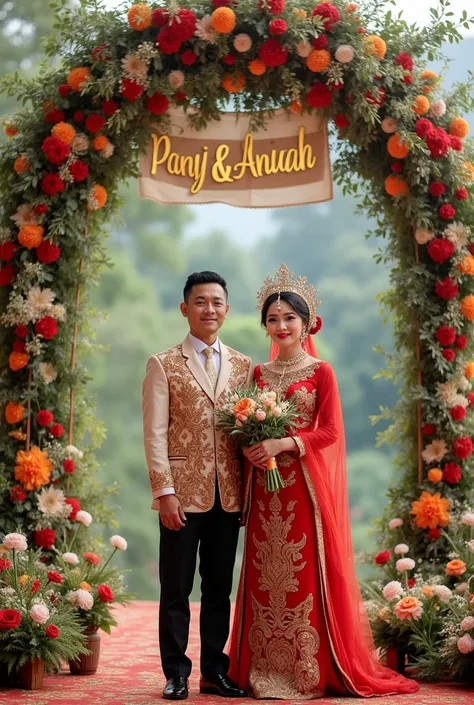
<point x="408" y="608"/>
<point x="466" y="644"/>
<point x="455" y="568"/>
<point x="243" y="407"/>
<point x="260" y="415"/>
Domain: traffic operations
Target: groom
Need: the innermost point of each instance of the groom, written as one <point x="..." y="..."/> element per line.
<point x="195" y="476"/>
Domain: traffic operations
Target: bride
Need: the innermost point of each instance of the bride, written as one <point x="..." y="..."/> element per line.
<point x="300" y="630"/>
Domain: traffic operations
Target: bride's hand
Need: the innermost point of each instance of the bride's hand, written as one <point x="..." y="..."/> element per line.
<point x="261" y="452"/>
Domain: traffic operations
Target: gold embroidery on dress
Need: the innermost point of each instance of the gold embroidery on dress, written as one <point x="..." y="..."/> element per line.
<point x="305" y="403"/>
<point x="272" y="378"/>
<point x="301" y="446"/>
<point x="281" y="638"/>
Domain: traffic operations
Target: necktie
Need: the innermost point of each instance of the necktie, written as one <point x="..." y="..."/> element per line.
<point x="210" y="367"/>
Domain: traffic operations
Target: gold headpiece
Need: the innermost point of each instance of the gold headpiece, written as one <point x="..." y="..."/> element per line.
<point x="285" y="280"/>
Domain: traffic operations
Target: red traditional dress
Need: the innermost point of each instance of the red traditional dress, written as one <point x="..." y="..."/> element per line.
<point x="300" y="630"/>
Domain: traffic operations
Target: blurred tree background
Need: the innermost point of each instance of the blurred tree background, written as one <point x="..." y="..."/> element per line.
<point x="153" y="249"/>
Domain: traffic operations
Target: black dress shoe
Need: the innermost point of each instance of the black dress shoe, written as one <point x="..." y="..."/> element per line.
<point x="176" y="689"/>
<point x="221" y="684"/>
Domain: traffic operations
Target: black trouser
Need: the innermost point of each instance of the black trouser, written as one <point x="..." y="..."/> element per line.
<point x="215" y="533"/>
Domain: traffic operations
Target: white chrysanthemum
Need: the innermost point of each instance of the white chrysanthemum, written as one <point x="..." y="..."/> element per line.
<point x="456" y="233"/>
<point x="443" y="593"/>
<point x="401" y="548"/>
<point x="15" y="542"/>
<point x="58" y="311"/>
<point x="438" y="108"/>
<point x="404" y="564"/>
<point x="118" y="542"/>
<point x="52" y="502"/>
<point x="204" y="30"/>
<point x="446" y="392"/>
<point x="84" y="517"/>
<point x="72" y="450"/>
<point x="395" y="523"/>
<point x="435" y="451"/>
<point x="48" y="372"/>
<point x="303" y="49"/>
<point x="71" y="558"/>
<point x="462" y="383"/>
<point x="423" y="236"/>
<point x="242" y="43"/>
<point x="134" y="68"/>
<point x="389" y="125"/>
<point x="39" y="301"/>
<point x="24" y="215"/>
<point x="344" y="54"/>
<point x="176" y="79"/>
<point x="80" y="143"/>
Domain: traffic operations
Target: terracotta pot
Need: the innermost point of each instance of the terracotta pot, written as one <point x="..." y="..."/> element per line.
<point x="30" y="676"/>
<point x="87" y="664"/>
<point x="395" y="659"/>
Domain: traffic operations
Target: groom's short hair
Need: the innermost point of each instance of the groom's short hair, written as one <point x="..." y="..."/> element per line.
<point x="203" y="278"/>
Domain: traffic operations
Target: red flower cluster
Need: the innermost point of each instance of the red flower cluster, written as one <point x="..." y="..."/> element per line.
<point x="19" y="346"/>
<point x="320" y="42"/>
<point x="44" y="418"/>
<point x="52" y="184"/>
<point x="455" y="143"/>
<point x="449" y="354"/>
<point x="462" y="447"/>
<point x="341" y="121"/>
<point x="35" y="586"/>
<point x="159" y="17"/>
<point x="445" y="335"/>
<point x="54" y="116"/>
<point x="447" y="289"/>
<point x="41" y="208"/>
<point x="183" y="24"/>
<point x="79" y="170"/>
<point x="382" y="557"/>
<point x="95" y="122"/>
<point x="434" y="534"/>
<point x="319" y="96"/>
<point x="329" y="13"/>
<point x="47" y="327"/>
<point x="56" y="430"/>
<point x="75" y="507"/>
<point x="45" y="538"/>
<point x="458" y="412"/>
<point x="277" y="27"/>
<point x="4" y="564"/>
<point x="229" y="59"/>
<point x="436" y="188"/>
<point x="405" y="61"/>
<point x="56" y="151"/>
<point x="440" y="250"/>
<point x="7" y="250"/>
<point x="447" y="212"/>
<point x="105" y="593"/>
<point x="17" y="494"/>
<point x="92" y="558"/>
<point x="470" y="399"/>
<point x="429" y="429"/>
<point x="157" y="104"/>
<point x="167" y="42"/>
<point x="452" y="473"/>
<point x="437" y="141"/>
<point x="274" y="7"/>
<point x="79" y="117"/>
<point x="460" y="342"/>
<point x="272" y="53"/>
<point x="109" y="107"/>
<point x="69" y="466"/>
<point x="47" y="252"/>
<point x="188" y="57"/>
<point x="55" y="577"/>
<point x="9" y="619"/>
<point x="7" y="275"/>
<point x="131" y="90"/>
<point x="461" y="194"/>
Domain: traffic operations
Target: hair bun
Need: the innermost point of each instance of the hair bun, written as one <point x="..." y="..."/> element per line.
<point x="316" y="328"/>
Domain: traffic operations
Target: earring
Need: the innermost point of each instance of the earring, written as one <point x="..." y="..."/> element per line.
<point x="267" y="334"/>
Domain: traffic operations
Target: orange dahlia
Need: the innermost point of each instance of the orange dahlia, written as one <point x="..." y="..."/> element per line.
<point x="223" y="20"/>
<point x="466" y="266"/>
<point x="435" y="475"/>
<point x="97" y="197"/>
<point x="14" y="412"/>
<point x="376" y="46"/>
<point x="257" y="67"/>
<point x="18" y="360"/>
<point x="78" y="77"/>
<point x="421" y="105"/>
<point x="100" y="142"/>
<point x="467" y="307"/>
<point x="396" y="186"/>
<point x="396" y="147"/>
<point x="21" y="164"/>
<point x="30" y="236"/>
<point x="431" y="511"/>
<point x="469" y="369"/>
<point x="318" y="60"/>
<point x="459" y="128"/>
<point x="64" y="132"/>
<point x="139" y="17"/>
<point x="33" y="468"/>
<point x="233" y="82"/>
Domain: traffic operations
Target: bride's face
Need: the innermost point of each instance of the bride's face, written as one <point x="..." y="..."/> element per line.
<point x="283" y="324"/>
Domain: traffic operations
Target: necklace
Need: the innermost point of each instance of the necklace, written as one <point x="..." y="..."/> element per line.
<point x="292" y="360"/>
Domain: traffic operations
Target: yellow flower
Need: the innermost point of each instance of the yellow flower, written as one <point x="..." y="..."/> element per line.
<point x="23" y="579"/>
<point x="33" y="468"/>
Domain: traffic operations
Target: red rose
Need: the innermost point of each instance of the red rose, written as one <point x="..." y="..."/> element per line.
<point x="461" y="194"/>
<point x="7" y="275"/>
<point x="19" y="346"/>
<point x="131" y="90"/>
<point x="447" y="212"/>
<point x="4" y="564"/>
<point x="445" y="335"/>
<point x="159" y="17"/>
<point x="64" y="90"/>
<point x="7" y="250"/>
<point x="470" y="399"/>
<point x="274" y="7"/>
<point x="167" y="42"/>
<point x="448" y="354"/>
<point x="95" y="122"/>
<point x="75" y="507"/>
<point x="341" y="121"/>
<point x="423" y="127"/>
<point x="429" y="429"/>
<point x="92" y="558"/>
<point x="188" y="57"/>
<point x="79" y="170"/>
<point x="458" y="412"/>
<point x="272" y="53"/>
<point x="408" y="79"/>
<point x="109" y="107"/>
<point x="462" y="447"/>
<point x="183" y="24"/>
<point x="52" y="184"/>
<point x="105" y="593"/>
<point x="41" y="208"/>
<point x="17" y="494"/>
<point x="21" y="331"/>
<point x="461" y="342"/>
<point x="55" y="577"/>
<point x="35" y="585"/>
<point x="436" y="188"/>
<point x="79" y="117"/>
<point x="45" y="538"/>
<point x="382" y="557"/>
<point x="157" y="104"/>
<point x="447" y="288"/>
<point x="57" y="430"/>
<point x="455" y="143"/>
<point x="397" y="167"/>
<point x="411" y="582"/>
<point x="329" y="13"/>
<point x="405" y="61"/>
<point x="56" y="150"/>
<point x="437" y="141"/>
<point x="452" y="473"/>
<point x="47" y="327"/>
<point x="319" y="96"/>
<point x="44" y="418"/>
<point x="277" y="27"/>
<point x="9" y="619"/>
<point x="434" y="534"/>
<point x="69" y="466"/>
<point x="440" y="250"/>
<point x="52" y="631"/>
<point x="47" y="252"/>
<point x="54" y="116"/>
<point x="317" y="326"/>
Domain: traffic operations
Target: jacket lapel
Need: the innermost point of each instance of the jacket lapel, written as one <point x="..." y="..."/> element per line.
<point x="197" y="370"/>
<point x="225" y="371"/>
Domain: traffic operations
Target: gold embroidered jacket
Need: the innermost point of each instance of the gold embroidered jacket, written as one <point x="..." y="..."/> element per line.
<point x="184" y="448"/>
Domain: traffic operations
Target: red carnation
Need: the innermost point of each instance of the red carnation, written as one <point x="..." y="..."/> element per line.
<point x="440" y="250"/>
<point x="183" y="24"/>
<point x="79" y="117"/>
<point x="9" y="619"/>
<point x="452" y="473"/>
<point x="405" y="61"/>
<point x="4" y="564"/>
<point x="19" y="346"/>
<point x="54" y="116"/>
<point x="52" y="184"/>
<point x="69" y="466"/>
<point x="35" y="586"/>
<point x="109" y="107"/>
<point x="47" y="327"/>
<point x="470" y="399"/>
<point x="64" y="90"/>
<point x="95" y="122"/>
<point x="429" y="429"/>
<point x="79" y="170"/>
<point x="157" y="104"/>
<point x="447" y="212"/>
<point x="447" y="288"/>
<point x="445" y="335"/>
<point x="449" y="354"/>
<point x="436" y="188"/>
<point x="272" y="53"/>
<point x="167" y="42"/>
<point x="462" y="447"/>
<point x="460" y="342"/>
<point x="52" y="631"/>
<point x="341" y="121"/>
<point x="274" y="7"/>
<point x="458" y="412"/>
<point x="188" y="57"/>
<point x="45" y="538"/>
<point x="277" y="27"/>
<point x="7" y="250"/>
<point x="57" y="430"/>
<point x="47" y="252"/>
<point x="41" y="208"/>
<point x="397" y="167"/>
<point x="329" y="13"/>
<point x="56" y="150"/>
<point x="131" y="90"/>
<point x="92" y="558"/>
<point x="17" y="494"/>
<point x="455" y="143"/>
<point x="461" y="194"/>
<point x="319" y="96"/>
<point x="437" y="141"/>
<point x="21" y="331"/>
<point x="44" y="418"/>
<point x="382" y="557"/>
<point x="423" y="127"/>
<point x="229" y="59"/>
<point x="105" y="593"/>
<point x="55" y="577"/>
<point x="7" y="275"/>
<point x="434" y="534"/>
<point x="159" y="17"/>
<point x="320" y="42"/>
<point x="408" y="79"/>
<point x="75" y="507"/>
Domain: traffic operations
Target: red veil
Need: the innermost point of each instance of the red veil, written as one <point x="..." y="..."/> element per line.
<point x="324" y="466"/>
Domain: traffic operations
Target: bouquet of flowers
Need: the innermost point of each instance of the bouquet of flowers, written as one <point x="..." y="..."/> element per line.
<point x="254" y="415"/>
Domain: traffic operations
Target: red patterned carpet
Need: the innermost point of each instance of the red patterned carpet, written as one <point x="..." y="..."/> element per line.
<point x="129" y="673"/>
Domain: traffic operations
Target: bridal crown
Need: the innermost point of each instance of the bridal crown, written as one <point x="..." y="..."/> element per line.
<point x="285" y="280"/>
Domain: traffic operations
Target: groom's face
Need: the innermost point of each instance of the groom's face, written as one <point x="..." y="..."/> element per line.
<point x="205" y="309"/>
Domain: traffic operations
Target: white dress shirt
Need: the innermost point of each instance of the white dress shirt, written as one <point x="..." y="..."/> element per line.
<point x="199" y="346"/>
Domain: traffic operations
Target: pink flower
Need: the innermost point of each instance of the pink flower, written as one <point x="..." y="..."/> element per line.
<point x="461" y="588"/>
<point x="260" y="415"/>
<point x="15" y="542"/>
<point x="401" y="548"/>
<point x="395" y="523"/>
<point x="443" y="593"/>
<point x="466" y="644"/>
<point x="39" y="614"/>
<point x="118" y="542"/>
<point x="84" y="517"/>
<point x="467" y="624"/>
<point x="405" y="564"/>
<point x="276" y="411"/>
<point x="392" y="589"/>
<point x="408" y="608"/>
<point x="468" y="519"/>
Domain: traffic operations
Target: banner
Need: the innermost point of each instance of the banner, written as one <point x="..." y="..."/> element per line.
<point x="285" y="165"/>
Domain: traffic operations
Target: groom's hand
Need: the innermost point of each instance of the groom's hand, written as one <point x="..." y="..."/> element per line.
<point x="171" y="512"/>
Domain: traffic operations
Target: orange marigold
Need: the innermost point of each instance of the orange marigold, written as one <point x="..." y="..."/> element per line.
<point x="459" y="128"/>
<point x="97" y="197"/>
<point x="30" y="236"/>
<point x="14" y="412"/>
<point x="431" y="511"/>
<point x="396" y="186"/>
<point x="455" y="568"/>
<point x="139" y="17"/>
<point x="21" y="164"/>
<point x="435" y="475"/>
<point x="427" y="590"/>
<point x="469" y="369"/>
<point x="467" y="307"/>
<point x="396" y="147"/>
<point x="428" y="75"/>
<point x="376" y="46"/>
<point x="33" y="468"/>
<point x="18" y="360"/>
<point x="100" y="142"/>
<point x="233" y="82"/>
<point x="64" y="132"/>
<point x="466" y="266"/>
<point x="257" y="67"/>
<point x="78" y="77"/>
<point x="318" y="60"/>
<point x="421" y="105"/>
<point x="468" y="170"/>
<point x="223" y="20"/>
<point x="296" y="106"/>
<point x="10" y="130"/>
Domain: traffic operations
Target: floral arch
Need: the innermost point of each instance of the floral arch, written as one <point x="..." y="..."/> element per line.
<point x="401" y="148"/>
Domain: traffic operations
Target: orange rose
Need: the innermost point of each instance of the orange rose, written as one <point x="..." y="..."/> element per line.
<point x="244" y="407"/>
<point x="408" y="608"/>
<point x="427" y="591"/>
<point x="456" y="568"/>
